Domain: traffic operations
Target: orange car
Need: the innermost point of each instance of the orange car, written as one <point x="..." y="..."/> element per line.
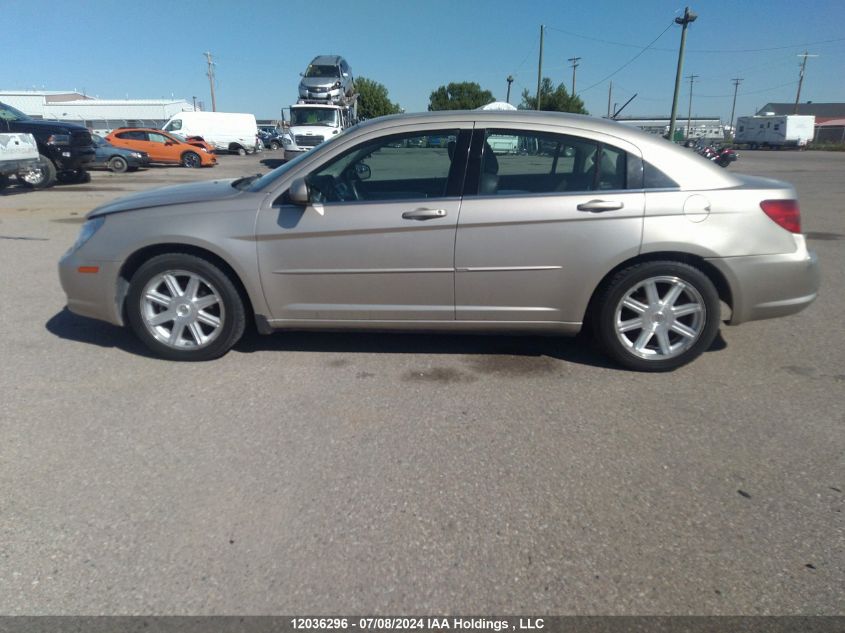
<point x="161" y="146"/>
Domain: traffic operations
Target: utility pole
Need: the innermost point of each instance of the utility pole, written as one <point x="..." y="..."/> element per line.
<point x="574" y="61"/>
<point x="609" y="94"/>
<point x="737" y="81"/>
<point x="195" y="103"/>
<point x="801" y="79"/>
<point x="691" y="78"/>
<point x="540" y="66"/>
<point x="210" y="74"/>
<point x="510" y="81"/>
<point x="689" y="16"/>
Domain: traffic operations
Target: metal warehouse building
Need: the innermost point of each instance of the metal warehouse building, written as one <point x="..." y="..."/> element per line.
<point x="100" y="115"/>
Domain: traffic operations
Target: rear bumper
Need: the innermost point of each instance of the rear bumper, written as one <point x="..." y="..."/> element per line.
<point x="769" y="286"/>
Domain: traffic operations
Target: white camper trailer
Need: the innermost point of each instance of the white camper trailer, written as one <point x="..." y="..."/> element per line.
<point x="775" y="130"/>
<point x="225" y="131"/>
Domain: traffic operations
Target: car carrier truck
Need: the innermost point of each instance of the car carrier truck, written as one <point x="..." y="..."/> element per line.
<point x="312" y="123"/>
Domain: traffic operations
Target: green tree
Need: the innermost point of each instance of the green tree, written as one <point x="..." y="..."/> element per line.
<point x="466" y="95"/>
<point x="552" y="99"/>
<point x="373" y="99"/>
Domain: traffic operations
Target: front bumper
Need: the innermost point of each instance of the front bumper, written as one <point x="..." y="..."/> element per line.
<point x="91" y="294"/>
<point x="769" y="286"/>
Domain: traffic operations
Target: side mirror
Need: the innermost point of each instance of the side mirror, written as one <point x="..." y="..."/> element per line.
<point x="298" y="192"/>
<point x="362" y="170"/>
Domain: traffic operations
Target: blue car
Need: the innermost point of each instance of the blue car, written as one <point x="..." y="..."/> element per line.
<point x="116" y="159"/>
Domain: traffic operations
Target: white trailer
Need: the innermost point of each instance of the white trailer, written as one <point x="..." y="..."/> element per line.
<point x="775" y="130"/>
<point x="225" y="131"/>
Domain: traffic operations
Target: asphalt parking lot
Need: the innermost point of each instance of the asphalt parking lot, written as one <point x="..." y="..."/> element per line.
<point x="362" y="473"/>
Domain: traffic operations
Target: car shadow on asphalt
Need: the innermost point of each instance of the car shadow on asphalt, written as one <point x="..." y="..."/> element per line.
<point x="580" y="350"/>
<point x="72" y="327"/>
<point x="272" y="163"/>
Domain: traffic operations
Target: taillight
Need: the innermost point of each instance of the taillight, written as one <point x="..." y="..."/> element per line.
<point x="785" y="212"/>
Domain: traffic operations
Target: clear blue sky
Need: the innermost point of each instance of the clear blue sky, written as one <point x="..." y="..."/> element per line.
<point x="155" y="49"/>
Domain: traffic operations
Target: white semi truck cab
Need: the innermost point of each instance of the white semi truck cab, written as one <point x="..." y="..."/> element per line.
<point x="312" y="123"/>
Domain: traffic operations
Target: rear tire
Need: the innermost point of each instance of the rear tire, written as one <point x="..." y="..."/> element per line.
<point x="241" y="151"/>
<point x="40" y="177"/>
<point x="185" y="308"/>
<point x="656" y="316"/>
<point x="274" y="145"/>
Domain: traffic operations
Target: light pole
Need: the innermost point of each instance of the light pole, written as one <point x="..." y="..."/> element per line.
<point x="510" y="81"/>
<point x="689" y="16"/>
<point x="692" y="78"/>
<point x="574" y="61"/>
<point x="737" y="81"/>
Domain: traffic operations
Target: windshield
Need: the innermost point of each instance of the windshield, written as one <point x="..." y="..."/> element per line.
<point x="322" y="71"/>
<point x="313" y="116"/>
<point x="8" y="113"/>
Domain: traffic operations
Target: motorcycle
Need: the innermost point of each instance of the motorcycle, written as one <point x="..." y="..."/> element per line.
<point x="719" y="155"/>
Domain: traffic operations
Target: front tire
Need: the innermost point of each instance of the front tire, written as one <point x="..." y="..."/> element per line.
<point x="656" y="316"/>
<point x="185" y="308"/>
<point x="118" y="164"/>
<point x="191" y="159"/>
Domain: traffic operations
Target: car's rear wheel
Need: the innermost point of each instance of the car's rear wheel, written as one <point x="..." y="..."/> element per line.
<point x="118" y="164"/>
<point x="41" y="176"/>
<point x="191" y="159"/>
<point x="657" y="316"/>
<point x="183" y="307"/>
<point x="274" y="145"/>
<point x="241" y="151"/>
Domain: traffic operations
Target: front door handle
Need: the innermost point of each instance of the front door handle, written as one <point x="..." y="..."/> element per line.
<point x="424" y="214"/>
<point x="597" y="206"/>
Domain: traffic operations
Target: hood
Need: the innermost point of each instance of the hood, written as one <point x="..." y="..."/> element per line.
<point x="166" y="196"/>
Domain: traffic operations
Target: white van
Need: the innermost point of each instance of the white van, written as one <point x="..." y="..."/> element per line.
<point x="224" y="131"/>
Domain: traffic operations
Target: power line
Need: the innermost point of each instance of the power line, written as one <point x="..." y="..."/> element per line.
<point x="699" y="50"/>
<point x="630" y="61"/>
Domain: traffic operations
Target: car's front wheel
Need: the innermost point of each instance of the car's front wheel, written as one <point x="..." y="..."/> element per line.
<point x="183" y="307"/>
<point x="191" y="159"/>
<point x="657" y="316"/>
<point x="118" y="164"/>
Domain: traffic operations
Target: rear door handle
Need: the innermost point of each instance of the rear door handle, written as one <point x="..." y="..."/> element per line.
<point x="424" y="214"/>
<point x="597" y="206"/>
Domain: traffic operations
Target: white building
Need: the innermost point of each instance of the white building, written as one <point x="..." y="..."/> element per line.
<point x="100" y="115"/>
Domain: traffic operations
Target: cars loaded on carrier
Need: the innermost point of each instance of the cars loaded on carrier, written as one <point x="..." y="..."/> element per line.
<point x="593" y="223"/>
<point x="327" y="78"/>
<point x="65" y="149"/>
<point x="117" y="159"/>
<point x="161" y="147"/>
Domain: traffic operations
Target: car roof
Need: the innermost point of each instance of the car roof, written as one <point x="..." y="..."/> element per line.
<point x="326" y="60"/>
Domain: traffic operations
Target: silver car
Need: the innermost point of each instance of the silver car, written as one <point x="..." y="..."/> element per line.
<point x="328" y="78"/>
<point x="587" y="221"/>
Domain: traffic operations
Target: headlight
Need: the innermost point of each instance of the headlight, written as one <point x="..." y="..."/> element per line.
<point x="136" y="155"/>
<point x="204" y="149"/>
<point x="287" y="140"/>
<point x="87" y="232"/>
<point x="58" y="139"/>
